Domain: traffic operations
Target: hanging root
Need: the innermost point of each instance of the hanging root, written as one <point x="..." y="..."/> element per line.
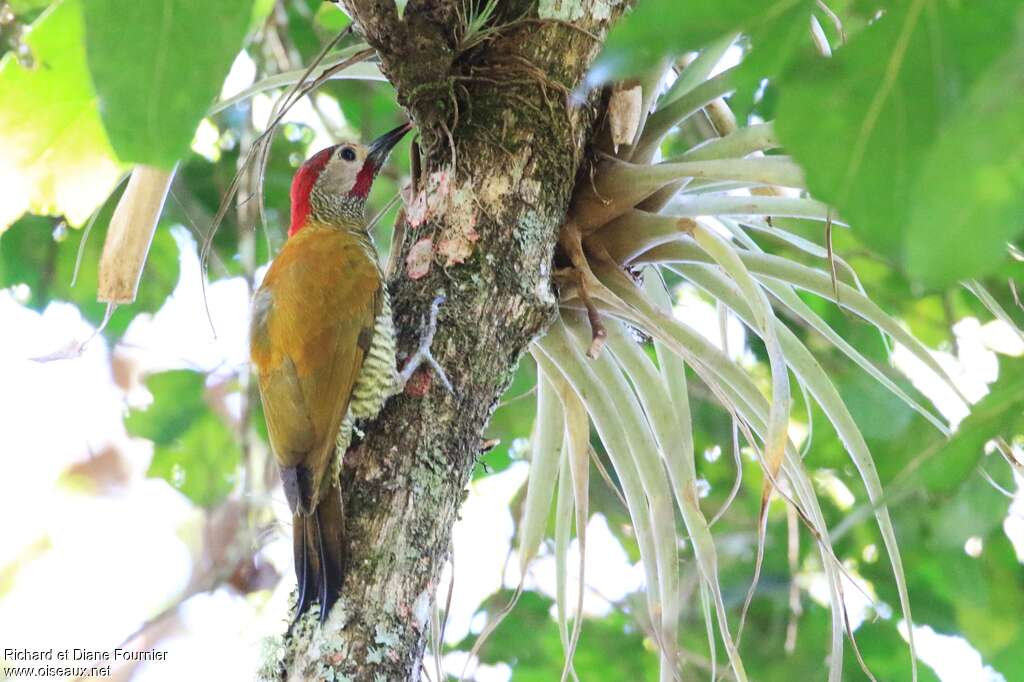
<point x="571" y="241"/>
<point x="598" y="332"/>
<point x="448" y="125"/>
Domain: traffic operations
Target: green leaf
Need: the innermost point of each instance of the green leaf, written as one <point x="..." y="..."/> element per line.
<point x="773" y="44"/>
<point x="960" y="221"/>
<point x="177" y="402"/>
<point x="1000" y="413"/>
<point x="23" y="6"/>
<point x="878" y="412"/>
<point x="656" y="29"/>
<point x="976" y="510"/>
<point x="611" y="648"/>
<point x="330" y="17"/>
<point x="512" y="420"/>
<point x="202" y="464"/>
<point x="157" y="67"/>
<point x="885" y="653"/>
<point x="36" y="252"/>
<point x="57" y="159"/>
<point x="192" y="449"/>
<point x="25" y="250"/>
<point x="881" y="130"/>
<point x="986" y="593"/>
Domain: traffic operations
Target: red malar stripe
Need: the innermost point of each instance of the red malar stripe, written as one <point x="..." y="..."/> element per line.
<point x="302" y="185"/>
<point x="364" y="180"/>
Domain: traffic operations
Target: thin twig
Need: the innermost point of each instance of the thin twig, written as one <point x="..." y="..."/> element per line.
<point x="524" y="394"/>
<point x="261" y="147"/>
<point x="380" y="214"/>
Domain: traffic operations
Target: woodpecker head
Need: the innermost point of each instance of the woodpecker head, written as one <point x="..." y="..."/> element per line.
<point x="332" y="185"/>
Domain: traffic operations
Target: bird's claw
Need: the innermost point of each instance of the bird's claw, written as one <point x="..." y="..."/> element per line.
<point x="422" y="355"/>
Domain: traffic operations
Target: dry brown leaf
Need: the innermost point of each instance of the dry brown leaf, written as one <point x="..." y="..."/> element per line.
<point x="624" y="114"/>
<point x="130" y="234"/>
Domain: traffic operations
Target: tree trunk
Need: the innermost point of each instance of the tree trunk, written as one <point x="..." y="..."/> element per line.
<point x="492" y="222"/>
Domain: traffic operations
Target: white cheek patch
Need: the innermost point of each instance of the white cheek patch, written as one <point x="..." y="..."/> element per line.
<point x="339" y="177"/>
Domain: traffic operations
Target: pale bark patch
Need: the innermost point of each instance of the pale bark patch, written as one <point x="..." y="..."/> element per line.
<point x="421" y="255"/>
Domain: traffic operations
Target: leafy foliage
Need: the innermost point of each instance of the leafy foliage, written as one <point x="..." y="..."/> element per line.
<point x="998" y="414"/>
<point x="193" y="449"/>
<point x="928" y="86"/>
<point x="664" y="28"/>
<point x="156" y="81"/>
<point x="46" y="256"/>
<point x="607" y="652"/>
<point x="57" y="158"/>
<point x="880" y="125"/>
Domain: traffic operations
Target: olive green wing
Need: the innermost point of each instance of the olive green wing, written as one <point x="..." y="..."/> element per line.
<point x="310" y="331"/>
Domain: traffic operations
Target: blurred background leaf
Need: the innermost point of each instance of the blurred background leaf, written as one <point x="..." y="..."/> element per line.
<point x="999" y="414"/>
<point x="157" y="67"/>
<point x="658" y="29"/>
<point x="867" y="125"/>
<point x="57" y="159"/>
<point x="192" y="448"/>
<point x="608" y="651"/>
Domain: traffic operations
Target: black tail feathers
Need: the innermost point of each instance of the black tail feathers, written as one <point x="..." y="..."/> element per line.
<point x="318" y="541"/>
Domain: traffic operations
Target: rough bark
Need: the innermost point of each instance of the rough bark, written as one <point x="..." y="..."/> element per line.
<point x="493" y="223"/>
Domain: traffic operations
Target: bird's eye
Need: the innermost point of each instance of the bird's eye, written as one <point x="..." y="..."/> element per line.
<point x="348" y="154"/>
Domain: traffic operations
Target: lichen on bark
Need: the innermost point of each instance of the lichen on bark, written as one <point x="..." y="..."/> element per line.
<point x="518" y="146"/>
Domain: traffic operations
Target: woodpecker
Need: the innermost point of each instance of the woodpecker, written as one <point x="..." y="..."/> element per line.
<point x="322" y="343"/>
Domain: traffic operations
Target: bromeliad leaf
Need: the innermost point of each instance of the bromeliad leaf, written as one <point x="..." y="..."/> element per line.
<point x="157" y="78"/>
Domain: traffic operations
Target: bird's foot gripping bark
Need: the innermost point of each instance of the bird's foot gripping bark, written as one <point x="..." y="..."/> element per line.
<point x="422" y="356"/>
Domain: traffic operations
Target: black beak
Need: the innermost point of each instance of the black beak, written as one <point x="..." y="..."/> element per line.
<point x="382" y="146"/>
